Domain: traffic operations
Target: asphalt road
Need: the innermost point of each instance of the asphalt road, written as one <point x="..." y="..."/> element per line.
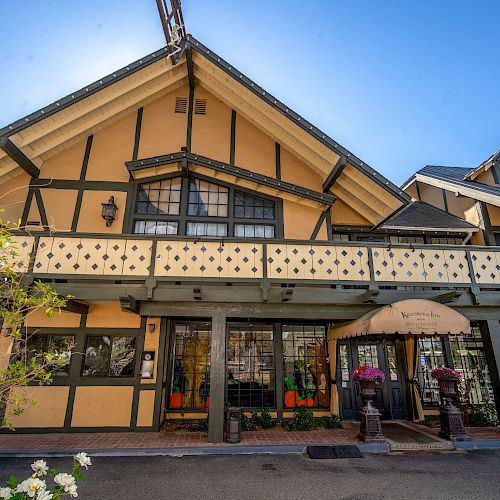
<point x="459" y="475"/>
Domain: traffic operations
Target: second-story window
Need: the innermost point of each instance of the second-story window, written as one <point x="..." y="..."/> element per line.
<point x="197" y="207"/>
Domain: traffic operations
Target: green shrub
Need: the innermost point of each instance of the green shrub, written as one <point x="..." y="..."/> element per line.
<point x="263" y="420"/>
<point x="484" y="415"/>
<point x="302" y="420"/>
<point x="332" y="421"/>
<point x="247" y="424"/>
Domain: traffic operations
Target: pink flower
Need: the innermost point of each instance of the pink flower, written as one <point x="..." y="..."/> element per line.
<point x="368" y="373"/>
<point x="445" y="374"/>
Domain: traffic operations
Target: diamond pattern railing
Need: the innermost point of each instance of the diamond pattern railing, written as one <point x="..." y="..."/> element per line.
<point x="285" y="261"/>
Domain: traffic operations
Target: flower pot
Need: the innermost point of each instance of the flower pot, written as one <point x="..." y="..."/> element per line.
<point x="447" y="388"/>
<point x="368" y="389"/>
<point x="291" y="398"/>
<point x="176" y="400"/>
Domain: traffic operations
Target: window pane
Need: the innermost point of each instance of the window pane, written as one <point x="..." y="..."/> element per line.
<point x="254" y="231"/>
<point x="469" y="359"/>
<point x="159" y="197"/>
<point x="251" y="377"/>
<point x="60" y="345"/>
<point x="206" y="229"/>
<point x="430" y="356"/>
<point x="190" y="387"/>
<point x="305" y="364"/>
<point x="252" y="207"/>
<point x="207" y="199"/>
<point x="122" y="357"/>
<point x="97" y="354"/>
<point x="155" y="227"/>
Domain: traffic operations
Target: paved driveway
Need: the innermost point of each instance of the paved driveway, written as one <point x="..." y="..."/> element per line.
<point x="457" y="475"/>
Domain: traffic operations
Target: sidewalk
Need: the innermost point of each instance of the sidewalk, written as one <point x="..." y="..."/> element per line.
<point x="275" y="440"/>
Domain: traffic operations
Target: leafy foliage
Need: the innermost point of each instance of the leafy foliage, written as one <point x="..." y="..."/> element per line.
<point x="483" y="415"/>
<point x="19" y="300"/>
<point x="302" y="420"/>
<point x="332" y="421"/>
<point x="264" y="420"/>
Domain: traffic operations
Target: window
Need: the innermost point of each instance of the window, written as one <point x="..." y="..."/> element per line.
<point x="190" y="386"/>
<point x="468" y="358"/>
<point x="155" y="227"/>
<point x="248" y="206"/>
<point x="447" y="241"/>
<point x="305" y="362"/>
<point x="406" y="239"/>
<point x="206" y="229"/>
<point x="109" y="356"/>
<point x="59" y="345"/>
<point x="253" y="231"/>
<point x="200" y="208"/>
<point x="430" y="356"/>
<point x="207" y="199"/>
<point x="159" y="198"/>
<point x="250" y="375"/>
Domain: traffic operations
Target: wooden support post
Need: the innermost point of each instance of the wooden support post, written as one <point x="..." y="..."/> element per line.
<point x="490" y="331"/>
<point x="217" y="379"/>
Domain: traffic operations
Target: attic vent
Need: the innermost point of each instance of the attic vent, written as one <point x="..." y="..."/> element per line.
<point x="200" y="106"/>
<point x="180" y="104"/>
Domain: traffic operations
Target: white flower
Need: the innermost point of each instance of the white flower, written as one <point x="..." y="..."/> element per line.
<point x="64" y="480"/>
<point x="31" y="486"/>
<point x="44" y="495"/>
<point x="5" y="493"/>
<point x="40" y="468"/>
<point x="83" y="459"/>
<point x="72" y="490"/>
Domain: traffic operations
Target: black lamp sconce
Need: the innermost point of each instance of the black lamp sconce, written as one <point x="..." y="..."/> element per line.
<point x="151" y="327"/>
<point x="109" y="210"/>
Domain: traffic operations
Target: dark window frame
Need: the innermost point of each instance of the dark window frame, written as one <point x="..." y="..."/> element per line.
<point x="131" y="217"/>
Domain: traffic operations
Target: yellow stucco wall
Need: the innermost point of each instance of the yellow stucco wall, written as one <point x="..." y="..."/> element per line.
<point x="299" y="220"/>
<point x="297" y="172"/>
<point x="486" y="178"/>
<point x="146" y="408"/>
<point x="48" y="411"/>
<point x="163" y="131"/>
<point x="66" y="164"/>
<point x="13" y="197"/>
<point x="111" y="148"/>
<point x="254" y="150"/>
<point x="102" y="406"/>
<point x="211" y="133"/>
<point x="109" y="314"/>
<point x="90" y="220"/>
<point x="341" y="213"/>
<point x="59" y="207"/>
<point x="62" y="319"/>
<point x="494" y="213"/>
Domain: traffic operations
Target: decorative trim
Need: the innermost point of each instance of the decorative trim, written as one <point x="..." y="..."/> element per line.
<point x="242" y="173"/>
<point x="77" y="184"/>
<point x="137" y="138"/>
<point x="278" y="161"/>
<point x="334" y="174"/>
<point x="189" y="128"/>
<point x="232" y="143"/>
<point x="41" y="209"/>
<point x="318" y="225"/>
<point x="86" y="157"/>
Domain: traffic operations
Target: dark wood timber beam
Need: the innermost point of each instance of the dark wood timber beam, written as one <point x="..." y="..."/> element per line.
<point x="334" y="174"/>
<point x="189" y="60"/>
<point x="286" y="294"/>
<point x="19" y="157"/>
<point x="369" y="297"/>
<point x="447" y="298"/>
<point x="76" y="307"/>
<point x="131" y="304"/>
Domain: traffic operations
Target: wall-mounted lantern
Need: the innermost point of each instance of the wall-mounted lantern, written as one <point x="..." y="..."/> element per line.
<point x="109" y="211"/>
<point x="151" y="327"/>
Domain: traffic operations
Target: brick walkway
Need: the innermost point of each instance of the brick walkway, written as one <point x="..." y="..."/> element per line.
<point x="180" y="439"/>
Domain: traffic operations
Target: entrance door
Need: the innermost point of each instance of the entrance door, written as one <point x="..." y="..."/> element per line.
<point x="378" y="354"/>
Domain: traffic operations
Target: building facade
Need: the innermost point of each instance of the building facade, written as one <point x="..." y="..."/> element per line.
<point x="211" y="239"/>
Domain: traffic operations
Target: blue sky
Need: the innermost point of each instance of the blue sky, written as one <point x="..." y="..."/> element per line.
<point x="401" y="83"/>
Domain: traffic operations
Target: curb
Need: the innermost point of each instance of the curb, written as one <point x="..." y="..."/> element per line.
<point x="486" y="444"/>
<point x="378" y="448"/>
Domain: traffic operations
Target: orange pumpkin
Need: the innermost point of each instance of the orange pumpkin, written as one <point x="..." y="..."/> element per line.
<point x="291" y="398"/>
<point x="176" y="400"/>
<point x="301" y="402"/>
<point x="309" y="402"/>
<point x="206" y="404"/>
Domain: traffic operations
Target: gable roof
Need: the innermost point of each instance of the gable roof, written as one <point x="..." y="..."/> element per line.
<point x="421" y="215"/>
<point x="97" y="105"/>
<point x="455" y="179"/>
<point x="484" y="166"/>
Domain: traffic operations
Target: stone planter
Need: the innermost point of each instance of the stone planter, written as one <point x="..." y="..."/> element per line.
<point x="368" y="392"/>
<point x="447" y="388"/>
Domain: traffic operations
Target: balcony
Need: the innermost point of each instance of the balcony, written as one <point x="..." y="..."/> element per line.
<point x="135" y="258"/>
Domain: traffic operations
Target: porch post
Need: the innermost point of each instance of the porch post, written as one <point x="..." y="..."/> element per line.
<point x="217" y="379"/>
<point x="491" y="340"/>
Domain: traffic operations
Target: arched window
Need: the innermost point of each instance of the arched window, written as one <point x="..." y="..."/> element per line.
<point x="198" y="207"/>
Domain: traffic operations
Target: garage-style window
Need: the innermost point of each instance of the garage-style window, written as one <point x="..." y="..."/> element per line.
<point x="107" y="356"/>
<point x="197" y="207"/>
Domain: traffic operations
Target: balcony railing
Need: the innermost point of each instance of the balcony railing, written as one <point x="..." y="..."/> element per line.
<point x="181" y="259"/>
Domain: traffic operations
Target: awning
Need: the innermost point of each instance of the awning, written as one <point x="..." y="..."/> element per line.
<point x="406" y="317"/>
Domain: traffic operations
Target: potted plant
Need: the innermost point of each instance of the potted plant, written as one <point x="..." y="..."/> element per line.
<point x="368" y="377"/>
<point x="176" y="396"/>
<point x="291" y="394"/>
<point x="447" y="379"/>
